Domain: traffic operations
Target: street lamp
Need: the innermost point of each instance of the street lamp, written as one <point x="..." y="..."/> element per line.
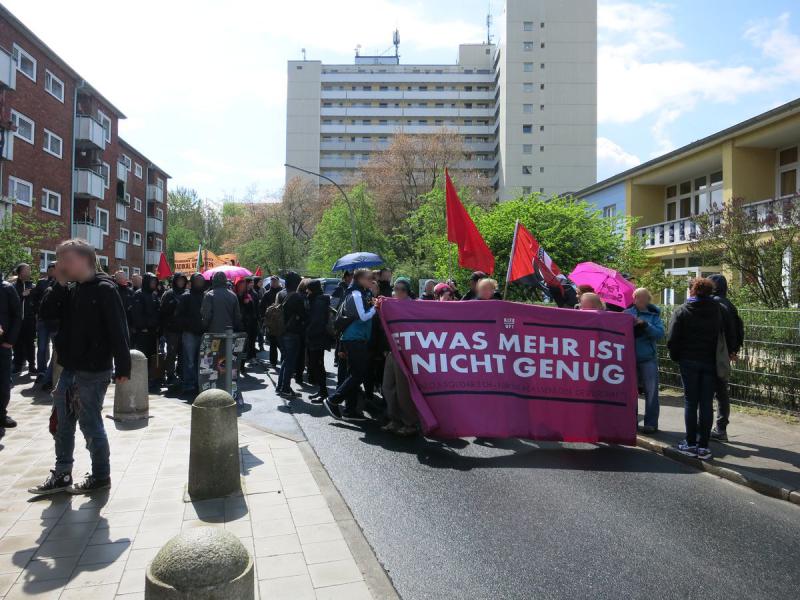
<point x="346" y="200"/>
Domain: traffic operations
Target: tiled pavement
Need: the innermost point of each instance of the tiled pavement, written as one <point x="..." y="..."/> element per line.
<point x="70" y="547"/>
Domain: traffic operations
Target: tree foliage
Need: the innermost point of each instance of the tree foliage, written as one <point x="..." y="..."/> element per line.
<point x="19" y="232"/>
<point x="191" y="221"/>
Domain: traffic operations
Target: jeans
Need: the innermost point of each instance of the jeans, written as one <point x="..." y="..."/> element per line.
<point x="723" y="404"/>
<point x="43" y="336"/>
<point x="358" y="364"/>
<point x="316" y="368"/>
<point x="5" y="381"/>
<point x="191" y="353"/>
<point x="87" y="412"/>
<point x="24" y="349"/>
<point x="290" y="349"/>
<point x="699" y="380"/>
<point x="647" y="373"/>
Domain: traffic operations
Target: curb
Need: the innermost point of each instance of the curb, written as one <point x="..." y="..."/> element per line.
<point x="758" y="483"/>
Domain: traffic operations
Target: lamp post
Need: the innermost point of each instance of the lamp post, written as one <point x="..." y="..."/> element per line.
<point x="346" y="200"/>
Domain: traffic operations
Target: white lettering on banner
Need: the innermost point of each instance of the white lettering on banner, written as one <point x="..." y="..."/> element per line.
<point x="442" y="363"/>
<point x="576" y="371"/>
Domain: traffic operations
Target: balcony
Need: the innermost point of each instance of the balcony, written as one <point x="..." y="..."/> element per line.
<point x="155" y="193"/>
<point x="120" y="250"/>
<point x="8" y="147"/>
<point x="155" y="225"/>
<point x="122" y="212"/>
<point x="122" y="173"/>
<point x="151" y="257"/>
<point x="88" y="184"/>
<point x="89" y="232"/>
<point x="89" y="133"/>
<point x="8" y="70"/>
<point x="772" y="213"/>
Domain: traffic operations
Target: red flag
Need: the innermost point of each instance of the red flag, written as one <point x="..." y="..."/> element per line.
<point x="258" y="272"/>
<point x="163" y="271"/>
<point x="528" y="258"/>
<point x="473" y="253"/>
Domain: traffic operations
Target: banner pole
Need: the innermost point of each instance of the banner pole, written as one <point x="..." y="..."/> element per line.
<point x="511" y="259"/>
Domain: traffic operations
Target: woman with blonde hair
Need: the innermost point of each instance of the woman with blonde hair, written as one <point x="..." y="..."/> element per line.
<point x="486" y="289"/>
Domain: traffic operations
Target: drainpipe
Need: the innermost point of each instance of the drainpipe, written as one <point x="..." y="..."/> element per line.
<point x="146" y="205"/>
<point x="78" y="87"/>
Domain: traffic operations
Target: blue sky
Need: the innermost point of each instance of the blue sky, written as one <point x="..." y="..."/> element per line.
<point x="203" y="82"/>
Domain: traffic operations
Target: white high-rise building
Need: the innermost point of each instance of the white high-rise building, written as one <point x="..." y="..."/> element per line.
<point x="525" y="107"/>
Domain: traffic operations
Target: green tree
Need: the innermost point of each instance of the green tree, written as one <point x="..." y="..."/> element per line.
<point x="18" y="233"/>
<point x="188" y="214"/>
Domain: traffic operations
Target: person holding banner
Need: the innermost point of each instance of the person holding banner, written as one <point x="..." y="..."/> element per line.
<point x="443" y="293"/>
<point x="487" y="289"/>
<point x="648" y="329"/>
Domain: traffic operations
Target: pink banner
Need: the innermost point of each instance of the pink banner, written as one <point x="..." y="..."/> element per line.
<point x="503" y="369"/>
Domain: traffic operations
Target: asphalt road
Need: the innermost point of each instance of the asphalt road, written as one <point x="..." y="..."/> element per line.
<point x="518" y="519"/>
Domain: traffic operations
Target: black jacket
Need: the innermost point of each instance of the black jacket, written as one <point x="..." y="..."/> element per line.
<point x="92" y="328"/>
<point x="169" y="302"/>
<point x="319" y="310"/>
<point x="10" y="313"/>
<point x="721" y="291"/>
<point x="694" y="328"/>
<point x="295" y="315"/>
<point x="188" y="313"/>
<point x="126" y="293"/>
<point x="28" y="312"/>
<point x="145" y="314"/>
<point x="37" y="294"/>
<point x="268" y="299"/>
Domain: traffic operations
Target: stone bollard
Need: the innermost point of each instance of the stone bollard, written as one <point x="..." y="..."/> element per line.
<point x="57" y="368"/>
<point x="214" y="470"/>
<point x="202" y="563"/>
<point x="131" y="400"/>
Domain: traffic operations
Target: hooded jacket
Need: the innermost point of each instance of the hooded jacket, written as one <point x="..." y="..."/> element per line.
<point x="721" y="296"/>
<point x="169" y="302"/>
<point x="92" y="328"/>
<point x="220" y="308"/>
<point x="647" y="335"/>
<point x="145" y="307"/>
<point x="10" y="313"/>
<point x="319" y="311"/>
<point x="694" y="329"/>
<point x="188" y="314"/>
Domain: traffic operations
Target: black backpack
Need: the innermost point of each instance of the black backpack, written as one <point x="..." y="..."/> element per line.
<point x="346" y="314"/>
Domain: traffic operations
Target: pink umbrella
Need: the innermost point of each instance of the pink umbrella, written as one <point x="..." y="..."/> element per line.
<point x="231" y="272"/>
<point x="612" y="287"/>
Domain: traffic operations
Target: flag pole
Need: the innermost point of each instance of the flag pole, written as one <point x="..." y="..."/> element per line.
<point x="511" y="259"/>
<point x="449" y="243"/>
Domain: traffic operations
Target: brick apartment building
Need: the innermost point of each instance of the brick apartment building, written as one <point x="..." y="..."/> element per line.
<point x="63" y="160"/>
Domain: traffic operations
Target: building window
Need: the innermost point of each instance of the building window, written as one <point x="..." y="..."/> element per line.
<point x="541" y="148"/>
<point x="527" y="87"/>
<point x="541" y="169"/>
<point x="541" y="86"/>
<point x="138" y="170"/>
<point x="103" y="262"/>
<point x="106" y="123"/>
<point x="105" y="173"/>
<point x="126" y="160"/>
<point x="25" y="126"/>
<point x="137" y="204"/>
<point x="51" y="202"/>
<point x="125" y="270"/>
<point x="541" y="45"/>
<point x="527" y="108"/>
<point x="124" y="235"/>
<point x="53" y="144"/>
<point x="137" y="239"/>
<point x="527" y="46"/>
<point x="46" y="258"/>
<point x="527" y="128"/>
<point x="527" y="169"/>
<point x="160" y="212"/>
<point x="159" y="245"/>
<point x="21" y="191"/>
<point x="527" y="26"/>
<point x="610" y="211"/>
<point x="541" y="66"/>
<point x="526" y="189"/>
<point x="527" y="67"/>
<point x="101" y="219"/>
<point x="788" y="167"/>
<point x="26" y="64"/>
<point x="54" y="86"/>
<point x="541" y="127"/>
<point x="527" y="148"/>
<point x="136" y="270"/>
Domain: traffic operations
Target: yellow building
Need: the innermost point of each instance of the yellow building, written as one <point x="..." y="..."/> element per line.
<point x="756" y="161"/>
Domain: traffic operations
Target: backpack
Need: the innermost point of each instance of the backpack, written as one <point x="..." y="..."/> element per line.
<point x="346" y="314"/>
<point x="273" y="318"/>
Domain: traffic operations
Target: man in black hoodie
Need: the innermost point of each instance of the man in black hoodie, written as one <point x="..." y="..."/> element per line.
<point x="144" y="324"/>
<point x="171" y="328"/>
<point x="268" y="300"/>
<point x="190" y="320"/>
<point x="24" y="348"/>
<point x="720" y="432"/>
<point x="126" y="292"/>
<point x="10" y="324"/>
<point x="91" y="332"/>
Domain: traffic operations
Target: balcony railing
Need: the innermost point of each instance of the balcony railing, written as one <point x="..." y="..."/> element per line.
<point x="122" y="172"/>
<point x="89" y="232"/>
<point x="122" y="212"/>
<point x="155" y="225"/>
<point x="151" y="257"/>
<point x="772" y="213"/>
<point x="155" y="193"/>
<point x="120" y="250"/>
<point x="8" y="70"/>
<point x="88" y="184"/>
<point x="89" y="133"/>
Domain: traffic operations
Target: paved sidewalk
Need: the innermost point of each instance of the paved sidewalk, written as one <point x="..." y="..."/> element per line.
<point x="762" y="450"/>
<point x="78" y="547"/>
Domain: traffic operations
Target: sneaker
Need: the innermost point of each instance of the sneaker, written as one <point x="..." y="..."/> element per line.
<point x="8" y="422"/>
<point x="719" y="436"/>
<point x="47" y="387"/>
<point x="90" y="484"/>
<point x="54" y="484"/>
<point x="333" y="409"/>
<point x="288" y="394"/>
<point x="648" y="429"/>
<point x="391" y="427"/>
<point x="406" y="431"/>
<point x="704" y="454"/>
<point x="355" y="416"/>
<point x="687" y="449"/>
<point x="318" y="398"/>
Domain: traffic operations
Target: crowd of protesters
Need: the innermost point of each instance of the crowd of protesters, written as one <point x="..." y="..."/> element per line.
<point x="92" y="321"/>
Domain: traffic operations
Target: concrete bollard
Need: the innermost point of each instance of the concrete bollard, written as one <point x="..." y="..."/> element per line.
<point x="214" y="470"/>
<point x="57" y="368"/>
<point x="131" y="400"/>
<point x="202" y="563"/>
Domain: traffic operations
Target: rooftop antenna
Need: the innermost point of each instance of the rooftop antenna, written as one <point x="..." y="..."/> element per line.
<point x="303" y="50"/>
<point x="396" y="42"/>
<point x="489" y="24"/>
<point x="358" y="49"/>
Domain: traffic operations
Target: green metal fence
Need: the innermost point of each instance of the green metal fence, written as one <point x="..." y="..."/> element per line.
<point x="767" y="373"/>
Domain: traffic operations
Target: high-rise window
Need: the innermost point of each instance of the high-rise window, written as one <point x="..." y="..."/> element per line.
<point x="527" y="128"/>
<point x="527" y="67"/>
<point x="527" y="108"/>
<point x="527" y="26"/>
<point x="527" y="46"/>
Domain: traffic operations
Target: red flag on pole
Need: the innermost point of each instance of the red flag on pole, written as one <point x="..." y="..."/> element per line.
<point x="529" y="259"/>
<point x="163" y="271"/>
<point x="473" y="253"/>
<point x="258" y="272"/>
